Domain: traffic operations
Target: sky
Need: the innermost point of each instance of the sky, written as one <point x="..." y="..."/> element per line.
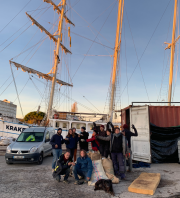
<point x="146" y="26"/>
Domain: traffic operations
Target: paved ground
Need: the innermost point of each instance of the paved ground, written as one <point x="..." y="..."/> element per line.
<point x="35" y="181"/>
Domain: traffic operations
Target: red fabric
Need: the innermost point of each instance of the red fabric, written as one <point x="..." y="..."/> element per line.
<point x="91" y="140"/>
<point x="65" y="160"/>
<point x="125" y="126"/>
<point x="102" y="126"/>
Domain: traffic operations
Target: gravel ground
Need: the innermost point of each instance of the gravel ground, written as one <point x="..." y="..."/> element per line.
<point x="35" y="181"/>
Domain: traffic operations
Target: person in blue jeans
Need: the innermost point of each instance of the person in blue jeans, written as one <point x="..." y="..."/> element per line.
<point x="83" y="168"/>
<point x="56" y="142"/>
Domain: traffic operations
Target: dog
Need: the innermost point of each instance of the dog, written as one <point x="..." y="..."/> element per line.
<point x="104" y="184"/>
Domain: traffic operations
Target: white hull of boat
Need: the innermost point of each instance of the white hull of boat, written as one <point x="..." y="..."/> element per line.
<point x="10" y="129"/>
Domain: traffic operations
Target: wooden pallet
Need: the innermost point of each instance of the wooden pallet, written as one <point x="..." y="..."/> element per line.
<point x="146" y="183"/>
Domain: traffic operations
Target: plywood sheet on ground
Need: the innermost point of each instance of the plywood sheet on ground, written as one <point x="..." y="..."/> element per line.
<point x="146" y="183"/>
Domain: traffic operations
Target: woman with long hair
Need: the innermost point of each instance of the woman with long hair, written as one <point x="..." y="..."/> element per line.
<point x="71" y="142"/>
<point x="75" y="149"/>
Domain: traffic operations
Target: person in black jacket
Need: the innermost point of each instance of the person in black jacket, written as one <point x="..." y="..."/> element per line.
<point x="128" y="133"/>
<point x="108" y="132"/>
<point x="75" y="149"/>
<point x="116" y="149"/>
<point x="63" y="167"/>
<point x="83" y="137"/>
<point x="56" y="142"/>
<point x="103" y="145"/>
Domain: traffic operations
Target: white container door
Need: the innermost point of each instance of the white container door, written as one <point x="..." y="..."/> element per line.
<point x="140" y="146"/>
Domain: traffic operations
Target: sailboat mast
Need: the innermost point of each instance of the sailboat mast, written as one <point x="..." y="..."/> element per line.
<point x="116" y="55"/>
<point x="49" y="113"/>
<point x="172" y="54"/>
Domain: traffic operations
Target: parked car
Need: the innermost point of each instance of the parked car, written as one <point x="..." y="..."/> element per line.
<point x="31" y="146"/>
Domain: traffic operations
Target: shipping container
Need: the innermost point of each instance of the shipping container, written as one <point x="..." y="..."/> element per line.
<point x="141" y="117"/>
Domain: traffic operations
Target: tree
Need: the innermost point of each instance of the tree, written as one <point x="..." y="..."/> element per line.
<point x="34" y="117"/>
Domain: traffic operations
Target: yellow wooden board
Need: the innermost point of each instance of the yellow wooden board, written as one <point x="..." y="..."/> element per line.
<point x="146" y="183"/>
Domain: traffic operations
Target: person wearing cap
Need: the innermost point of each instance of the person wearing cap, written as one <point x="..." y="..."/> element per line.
<point x="56" y="142"/>
<point x="83" y="137"/>
<point x="103" y="145"/>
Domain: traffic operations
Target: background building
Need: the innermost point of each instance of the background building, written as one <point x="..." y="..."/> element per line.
<point x="7" y="109"/>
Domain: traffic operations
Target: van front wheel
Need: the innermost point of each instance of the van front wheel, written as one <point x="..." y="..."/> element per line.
<point x="8" y="163"/>
<point x="40" y="160"/>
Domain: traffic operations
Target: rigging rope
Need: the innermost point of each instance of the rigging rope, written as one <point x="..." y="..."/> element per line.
<point x="21" y="90"/>
<point x="78" y="103"/>
<point x="74" y="101"/>
<point x="10" y="83"/>
<point x="6" y="81"/>
<point x="159" y="97"/>
<point x="164" y="68"/>
<point x="22" y="32"/>
<point x="27" y="43"/>
<point x="15" y="16"/>
<point x="30" y="48"/>
<point x="126" y="62"/>
<point x="41" y="42"/>
<point x="91" y="104"/>
<point x="92" y="26"/>
<point x="18" y="29"/>
<point x="146" y="46"/>
<point x="83" y="36"/>
<point x="100" y="42"/>
<point x="36" y="86"/>
<point x="103" y="11"/>
<point x="15" y="39"/>
<point x="16" y="90"/>
<point x="137" y="58"/>
<point x="93" y="42"/>
<point x="73" y="5"/>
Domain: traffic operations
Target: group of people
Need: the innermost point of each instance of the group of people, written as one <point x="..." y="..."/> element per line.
<point x="83" y="167"/>
<point x="111" y="142"/>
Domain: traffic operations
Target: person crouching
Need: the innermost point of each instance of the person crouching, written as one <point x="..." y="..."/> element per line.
<point x="63" y="167"/>
<point x="83" y="168"/>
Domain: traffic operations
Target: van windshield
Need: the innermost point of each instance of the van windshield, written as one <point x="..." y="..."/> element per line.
<point x="30" y="137"/>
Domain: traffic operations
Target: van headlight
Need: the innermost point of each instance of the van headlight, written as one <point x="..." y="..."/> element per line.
<point x="33" y="150"/>
<point x="8" y="149"/>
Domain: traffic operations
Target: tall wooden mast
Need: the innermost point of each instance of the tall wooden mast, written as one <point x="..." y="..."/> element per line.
<point x="58" y="46"/>
<point x="49" y="112"/>
<point x="172" y="46"/>
<point x="116" y="56"/>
